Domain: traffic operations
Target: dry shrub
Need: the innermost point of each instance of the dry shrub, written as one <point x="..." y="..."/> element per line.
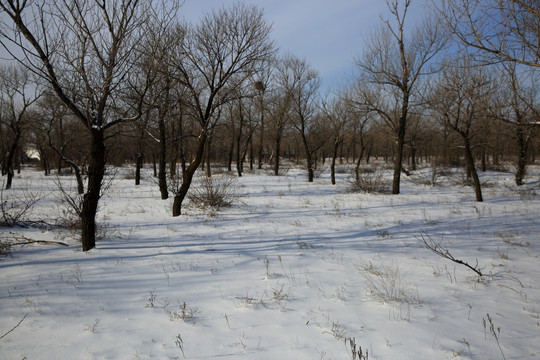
<point x="386" y="284"/>
<point x="14" y="208"/>
<point x="369" y="180"/>
<point x="215" y="192"/>
<point x="5" y="248"/>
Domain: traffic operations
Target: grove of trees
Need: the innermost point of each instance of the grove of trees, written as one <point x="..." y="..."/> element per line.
<point x="99" y="83"/>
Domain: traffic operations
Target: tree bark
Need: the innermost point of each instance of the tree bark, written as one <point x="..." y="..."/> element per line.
<point x="187" y="176"/>
<point x="138" y="168"/>
<point x="309" y="155"/>
<point x="522" y="154"/>
<point x="96" y="172"/>
<point x="208" y="156"/>
<point x="261" y="137"/>
<point x="398" y="160"/>
<point x="333" y="164"/>
<point x="470" y="166"/>
<point x="9" y="160"/>
<point x="239" y="167"/>
<point x="277" y="151"/>
<point x="162" y="173"/>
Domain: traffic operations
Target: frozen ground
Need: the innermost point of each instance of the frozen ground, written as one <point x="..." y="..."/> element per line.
<point x="292" y="271"/>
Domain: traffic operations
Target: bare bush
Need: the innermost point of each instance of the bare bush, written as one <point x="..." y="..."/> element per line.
<point x="386" y="285"/>
<point x="184" y="313"/>
<point x="369" y="180"/>
<point x="215" y="192"/>
<point x="343" y="169"/>
<point x="430" y="177"/>
<point x="15" y="208"/>
<point x="5" y="248"/>
<point x="461" y="179"/>
<point x="70" y="207"/>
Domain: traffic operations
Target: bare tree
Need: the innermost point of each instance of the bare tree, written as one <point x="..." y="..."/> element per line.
<point x="460" y="98"/>
<point x="393" y="63"/>
<point x="301" y="83"/>
<point x="84" y="51"/>
<point x="341" y="120"/>
<point x="18" y="93"/>
<point x="278" y="106"/>
<point x="216" y="57"/>
<point x="152" y="84"/>
<point x="246" y="128"/>
<point x="500" y="30"/>
<point x="262" y="86"/>
<point x="356" y="101"/>
<point x="517" y="105"/>
<point x="63" y="136"/>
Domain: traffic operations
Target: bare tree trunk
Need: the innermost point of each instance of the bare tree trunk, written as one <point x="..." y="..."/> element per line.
<point x="333" y="164"/>
<point x="187" y="176"/>
<point x="413" y="157"/>
<point x="277" y="154"/>
<point x="138" y="168"/>
<point x="44" y="161"/>
<point x="398" y="160"/>
<point x="208" y="156"/>
<point x="522" y="154"/>
<point x="470" y="166"/>
<point x="309" y="154"/>
<point x="261" y="137"/>
<point x="162" y="174"/>
<point x="154" y="164"/>
<point x="96" y="172"/>
<point x="230" y="155"/>
<point x="9" y="161"/>
<point x="239" y="167"/>
<point x="251" y="153"/>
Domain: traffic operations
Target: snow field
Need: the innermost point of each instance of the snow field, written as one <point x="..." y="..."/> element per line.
<point x="290" y="271"/>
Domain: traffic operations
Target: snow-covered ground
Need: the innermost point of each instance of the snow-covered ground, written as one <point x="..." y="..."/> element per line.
<point x="292" y="271"/>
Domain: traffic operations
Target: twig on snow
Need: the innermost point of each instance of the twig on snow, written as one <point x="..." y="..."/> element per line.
<point x="16" y="326"/>
<point x="23" y="240"/>
<point x="438" y="249"/>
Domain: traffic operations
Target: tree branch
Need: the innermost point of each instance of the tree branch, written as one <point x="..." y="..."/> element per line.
<point x="438" y="249"/>
<point x="16" y="326"/>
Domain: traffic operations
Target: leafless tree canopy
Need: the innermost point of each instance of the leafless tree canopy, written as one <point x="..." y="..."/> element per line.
<point x="500" y="30"/>
<point x="129" y="82"/>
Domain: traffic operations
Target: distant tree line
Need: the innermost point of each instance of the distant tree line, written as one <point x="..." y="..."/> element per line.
<point x="105" y="83"/>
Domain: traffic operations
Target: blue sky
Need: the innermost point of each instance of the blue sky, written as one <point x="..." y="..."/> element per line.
<point x="327" y="33"/>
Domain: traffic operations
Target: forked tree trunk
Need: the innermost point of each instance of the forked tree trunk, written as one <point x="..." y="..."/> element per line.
<point x="187" y="176"/>
<point x="96" y="172"/>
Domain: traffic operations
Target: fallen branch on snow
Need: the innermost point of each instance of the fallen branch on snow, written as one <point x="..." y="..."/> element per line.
<point x="16" y="326"/>
<point x="23" y="240"/>
<point x="438" y="249"/>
